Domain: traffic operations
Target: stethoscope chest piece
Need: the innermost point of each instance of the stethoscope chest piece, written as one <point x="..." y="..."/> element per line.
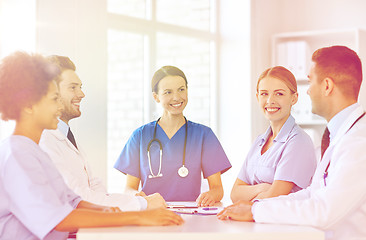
<point x="183" y="171"/>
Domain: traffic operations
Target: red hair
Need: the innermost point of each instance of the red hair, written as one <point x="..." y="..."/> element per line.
<point x="282" y="74"/>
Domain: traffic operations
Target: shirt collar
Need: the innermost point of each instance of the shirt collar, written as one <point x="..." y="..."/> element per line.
<point x="336" y="122"/>
<point x="265" y="136"/>
<point x="283" y="134"/>
<point x="63" y="127"/>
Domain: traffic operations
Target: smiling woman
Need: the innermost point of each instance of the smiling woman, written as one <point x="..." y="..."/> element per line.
<point x="186" y="149"/>
<point x="276" y="94"/>
<point x="282" y="160"/>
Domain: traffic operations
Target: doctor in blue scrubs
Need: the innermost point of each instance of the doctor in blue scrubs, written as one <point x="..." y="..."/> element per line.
<point x="169" y="154"/>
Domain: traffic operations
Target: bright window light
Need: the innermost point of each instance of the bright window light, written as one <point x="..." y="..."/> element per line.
<point x="17" y="33"/>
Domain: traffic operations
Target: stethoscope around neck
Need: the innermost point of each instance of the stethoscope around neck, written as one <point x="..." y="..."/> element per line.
<point x="182" y="171"/>
<point x="325" y="174"/>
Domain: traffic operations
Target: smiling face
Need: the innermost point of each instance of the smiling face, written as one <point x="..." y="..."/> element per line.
<point x="71" y="95"/>
<point x="47" y="111"/>
<point x="275" y="99"/>
<point x="172" y="94"/>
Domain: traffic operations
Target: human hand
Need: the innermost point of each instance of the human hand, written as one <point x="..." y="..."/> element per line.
<point x="155" y="201"/>
<point x="141" y="194"/>
<point x="239" y="211"/>
<point x="159" y="217"/>
<point x="111" y="209"/>
<point x="205" y="199"/>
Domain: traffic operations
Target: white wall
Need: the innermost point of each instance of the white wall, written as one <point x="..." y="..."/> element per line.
<point x="264" y="23"/>
<point x="75" y="29"/>
<point x="276" y="16"/>
<point x="234" y="86"/>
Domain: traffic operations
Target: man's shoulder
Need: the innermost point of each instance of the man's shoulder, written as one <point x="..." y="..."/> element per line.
<point x="355" y="137"/>
<point x="50" y="139"/>
<point x="358" y="129"/>
<point x="51" y="133"/>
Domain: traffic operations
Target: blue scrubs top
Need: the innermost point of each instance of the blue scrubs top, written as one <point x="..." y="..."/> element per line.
<point x="203" y="153"/>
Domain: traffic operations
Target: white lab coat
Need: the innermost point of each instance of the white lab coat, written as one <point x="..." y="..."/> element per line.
<point x="76" y="172"/>
<point x="339" y="208"/>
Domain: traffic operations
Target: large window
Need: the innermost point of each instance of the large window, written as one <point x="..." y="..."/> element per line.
<point x="143" y="36"/>
<point x="17" y="32"/>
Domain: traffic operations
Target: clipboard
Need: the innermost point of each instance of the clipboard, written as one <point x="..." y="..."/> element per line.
<point x="173" y="205"/>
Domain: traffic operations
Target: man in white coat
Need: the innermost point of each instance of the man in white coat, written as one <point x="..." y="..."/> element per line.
<point x="69" y="158"/>
<point x="336" y="199"/>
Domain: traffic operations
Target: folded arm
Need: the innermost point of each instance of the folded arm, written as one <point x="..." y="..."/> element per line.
<point x="243" y="191"/>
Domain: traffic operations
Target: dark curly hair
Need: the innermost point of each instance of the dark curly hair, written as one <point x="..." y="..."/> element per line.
<point x="24" y="80"/>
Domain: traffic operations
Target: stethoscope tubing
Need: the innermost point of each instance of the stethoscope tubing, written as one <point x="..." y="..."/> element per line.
<point x="152" y="175"/>
<point x="325" y="174"/>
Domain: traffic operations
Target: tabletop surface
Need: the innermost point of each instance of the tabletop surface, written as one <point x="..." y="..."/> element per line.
<point x="198" y="226"/>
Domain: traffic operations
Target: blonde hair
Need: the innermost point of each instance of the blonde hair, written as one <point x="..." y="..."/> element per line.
<point x="281" y="73"/>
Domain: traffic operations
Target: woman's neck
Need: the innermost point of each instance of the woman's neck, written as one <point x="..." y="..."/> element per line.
<point x="28" y="130"/>
<point x="172" y="119"/>
<point x="171" y="123"/>
<point x="277" y="126"/>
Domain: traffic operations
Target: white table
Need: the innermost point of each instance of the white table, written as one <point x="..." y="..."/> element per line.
<point x="204" y="228"/>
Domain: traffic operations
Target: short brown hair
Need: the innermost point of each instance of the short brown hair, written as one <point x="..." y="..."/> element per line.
<point x="24" y="80"/>
<point x="63" y="62"/>
<point x="282" y="74"/>
<point x="342" y="65"/>
<point x="162" y="73"/>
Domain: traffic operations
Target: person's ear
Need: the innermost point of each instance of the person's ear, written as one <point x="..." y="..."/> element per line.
<point x="328" y="86"/>
<point x="294" y="98"/>
<point x="156" y="97"/>
<point x="28" y="110"/>
<point x="257" y="96"/>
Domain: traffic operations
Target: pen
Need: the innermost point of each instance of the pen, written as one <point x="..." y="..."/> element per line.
<point x="209" y="208"/>
<point x="186" y="211"/>
<point x="175" y="206"/>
